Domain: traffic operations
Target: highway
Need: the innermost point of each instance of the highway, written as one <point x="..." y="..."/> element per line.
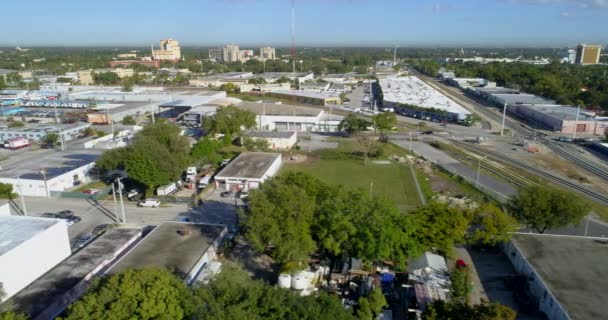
<point x="522" y="130"/>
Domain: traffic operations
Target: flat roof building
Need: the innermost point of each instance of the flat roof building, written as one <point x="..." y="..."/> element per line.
<point x="183" y="248"/>
<point x="309" y="97"/>
<point x="54" y="291"/>
<point x="277" y="140"/>
<point x="29" y="247"/>
<point x="283" y="117"/>
<point x="567" y="275"/>
<point x="248" y="170"/>
<point x="37" y="133"/>
<point x="169" y="50"/>
<point x="559" y="118"/>
<point x="410" y="94"/>
<point x="519" y="98"/>
<point x="272" y="77"/>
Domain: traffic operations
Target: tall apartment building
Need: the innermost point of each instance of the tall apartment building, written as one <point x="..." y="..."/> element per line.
<point x="267" y="53"/>
<point x="232" y="53"/>
<point x="216" y="54"/>
<point x="169" y="50"/>
<point x="588" y="54"/>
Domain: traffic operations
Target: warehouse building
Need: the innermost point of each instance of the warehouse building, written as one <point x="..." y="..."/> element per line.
<point x="314" y="86"/>
<point x="106" y="113"/>
<point x="281" y="117"/>
<point x="184" y="248"/>
<point x="299" y="77"/>
<point x="37" y="133"/>
<point x="308" y="97"/>
<point x="264" y="87"/>
<point x="217" y="80"/>
<point x="486" y="93"/>
<point x="518" y="98"/>
<point x="248" y="170"/>
<point x="50" y="294"/>
<point x="51" y="175"/>
<point x="277" y="140"/>
<point x="562" y="290"/>
<point x="29" y="247"/>
<point x="412" y="97"/>
<point x="465" y="83"/>
<point x="558" y="118"/>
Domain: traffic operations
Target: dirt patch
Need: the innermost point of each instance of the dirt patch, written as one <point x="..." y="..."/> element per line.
<point x="295" y="158"/>
<point x="260" y="266"/>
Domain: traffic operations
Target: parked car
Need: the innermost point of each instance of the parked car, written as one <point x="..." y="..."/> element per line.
<point x="134" y="193"/>
<point x="225" y="162"/>
<point x="49" y="215"/>
<point x="227" y="194"/>
<point x="71" y="219"/>
<point x="66" y="213"/>
<point x="204" y="182"/>
<point x="91" y="191"/>
<point x="243" y="195"/>
<point x="427" y="132"/>
<point x="100" y="229"/>
<point x="565" y="139"/>
<point x="82" y="241"/>
<point x="149" y="203"/>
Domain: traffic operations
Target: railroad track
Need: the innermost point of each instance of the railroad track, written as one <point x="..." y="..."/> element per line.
<point x="596" y="196"/>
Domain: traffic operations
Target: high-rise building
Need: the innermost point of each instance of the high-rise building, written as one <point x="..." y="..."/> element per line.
<point x="169" y="50"/>
<point x="588" y="54"/>
<point x="232" y="53"/>
<point x="267" y="53"/>
<point x="216" y="54"/>
<point x="568" y="56"/>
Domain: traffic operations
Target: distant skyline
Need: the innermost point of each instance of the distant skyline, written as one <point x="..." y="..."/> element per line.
<point x="354" y="23"/>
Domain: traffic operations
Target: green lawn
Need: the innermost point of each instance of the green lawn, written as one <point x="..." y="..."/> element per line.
<point x="392" y="180"/>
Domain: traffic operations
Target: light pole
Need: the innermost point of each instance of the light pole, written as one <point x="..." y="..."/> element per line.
<point x="46" y="186"/>
<point x="115" y="203"/>
<point x="478" y="171"/>
<point x="122" y="205"/>
<point x="21" y="196"/>
<point x="504" y="115"/>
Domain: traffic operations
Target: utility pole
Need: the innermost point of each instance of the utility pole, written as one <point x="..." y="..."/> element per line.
<point x="21" y="196"/>
<point x="478" y="169"/>
<point x="578" y="110"/>
<point x="115" y="204"/>
<point x="46" y="186"/>
<point x="410" y="141"/>
<point x="122" y="205"/>
<point x="371" y="188"/>
<point x="504" y="115"/>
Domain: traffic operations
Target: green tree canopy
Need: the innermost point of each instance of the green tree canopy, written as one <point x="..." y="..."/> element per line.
<point x="12" y="315"/>
<point x="543" y="208"/>
<point x="256" y="80"/>
<point x="135" y="294"/>
<point x="441" y="310"/>
<point x="384" y="121"/>
<point x="351" y="124"/>
<point x="106" y="78"/>
<point x="440" y="226"/>
<point x="230" y="120"/>
<point x="16" y="124"/>
<point x="492" y="226"/>
<point x="128" y="120"/>
<point x="51" y="139"/>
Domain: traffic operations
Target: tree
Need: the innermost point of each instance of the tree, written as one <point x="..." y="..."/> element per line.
<point x="283" y="79"/>
<point x="12" y="315"/>
<point x="280" y="216"/>
<point x="256" y="144"/>
<point x="6" y="192"/>
<point x="51" y="139"/>
<point x="384" y="121"/>
<point x="101" y="133"/>
<point x="127" y="85"/>
<point x="352" y="124"/>
<point x="256" y="80"/>
<point x="64" y="80"/>
<point x="440" y="226"/>
<point x="229" y="87"/>
<point x="128" y="120"/>
<point x="16" y="124"/>
<point x="543" y="208"/>
<point x="135" y="294"/>
<point x="106" y="78"/>
<point x="88" y="132"/>
<point x="230" y="120"/>
<point x="234" y="295"/>
<point x="366" y="143"/>
<point x="440" y="310"/>
<point x="492" y="226"/>
<point x="461" y="284"/>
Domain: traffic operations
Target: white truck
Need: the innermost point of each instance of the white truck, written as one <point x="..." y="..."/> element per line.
<point x="191" y="174"/>
<point x="167" y="189"/>
<point x="16" y="143"/>
<point x="204" y="182"/>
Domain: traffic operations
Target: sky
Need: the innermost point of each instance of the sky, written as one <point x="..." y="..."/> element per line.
<point x="463" y="23"/>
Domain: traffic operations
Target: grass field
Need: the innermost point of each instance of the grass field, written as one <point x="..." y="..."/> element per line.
<point x="338" y="166"/>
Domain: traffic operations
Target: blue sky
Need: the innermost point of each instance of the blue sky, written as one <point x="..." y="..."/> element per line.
<point x="318" y="22"/>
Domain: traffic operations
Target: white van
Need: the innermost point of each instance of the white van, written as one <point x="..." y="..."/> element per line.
<point x="149" y="203"/>
<point x="204" y="182"/>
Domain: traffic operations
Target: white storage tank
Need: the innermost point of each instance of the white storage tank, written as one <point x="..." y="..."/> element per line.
<point x="284" y="281"/>
<point x="299" y="281"/>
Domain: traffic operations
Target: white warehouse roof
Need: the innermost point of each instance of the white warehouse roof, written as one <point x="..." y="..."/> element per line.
<point x="411" y="90"/>
<point x="16" y="230"/>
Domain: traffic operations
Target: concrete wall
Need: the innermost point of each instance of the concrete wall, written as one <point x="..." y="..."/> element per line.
<point x="28" y="261"/>
<point x="5" y="209"/>
<point x="546" y="302"/>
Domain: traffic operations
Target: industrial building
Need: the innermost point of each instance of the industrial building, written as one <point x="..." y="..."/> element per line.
<point x="314" y="86"/>
<point x="126" y="63"/>
<point x="502" y="99"/>
<point x="430" y="279"/>
<point x="465" y="83"/>
<point x="343" y="78"/>
<point x="568" y="279"/>
<point x="184" y="248"/>
<point x="559" y="118"/>
<point x="412" y="97"/>
<point x="195" y="116"/>
<point x="308" y="97"/>
<point x="587" y="54"/>
<point x="106" y="113"/>
<point x="486" y="93"/>
<point x="248" y="170"/>
<point x="299" y="77"/>
<point x="277" y="140"/>
<point x="264" y="87"/>
<point x="217" y="80"/>
<point x="54" y="291"/>
<point x="169" y="50"/>
<point x="29" y="247"/>
<point x="37" y="133"/>
<point x="52" y="174"/>
<point x="281" y="117"/>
